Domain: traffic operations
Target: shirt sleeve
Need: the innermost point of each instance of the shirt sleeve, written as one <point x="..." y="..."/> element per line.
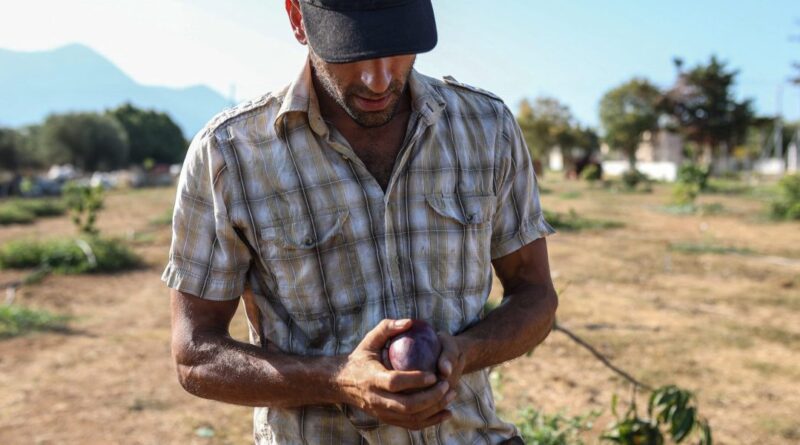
<point x="519" y="219"/>
<point x="206" y="258"/>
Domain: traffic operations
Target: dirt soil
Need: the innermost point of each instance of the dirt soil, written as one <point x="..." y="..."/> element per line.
<point x="723" y="325"/>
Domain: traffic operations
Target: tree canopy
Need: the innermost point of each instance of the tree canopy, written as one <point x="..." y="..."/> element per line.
<point x="89" y="141"/>
<point x="704" y="109"/>
<point x="151" y="135"/>
<point x="627" y="112"/>
<point x="545" y="123"/>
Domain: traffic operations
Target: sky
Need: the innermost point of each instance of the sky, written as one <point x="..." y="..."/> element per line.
<point x="573" y="50"/>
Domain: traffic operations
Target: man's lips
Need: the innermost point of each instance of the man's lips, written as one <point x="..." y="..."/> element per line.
<point x="373" y="104"/>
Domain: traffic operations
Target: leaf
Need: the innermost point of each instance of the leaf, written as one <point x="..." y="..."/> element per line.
<point x="705" y="439"/>
<point x="682" y="424"/>
<point x="614" y="400"/>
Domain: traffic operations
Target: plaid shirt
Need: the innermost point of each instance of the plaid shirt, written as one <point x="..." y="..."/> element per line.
<point x="272" y="203"/>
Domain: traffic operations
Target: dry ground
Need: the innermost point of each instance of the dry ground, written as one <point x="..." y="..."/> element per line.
<point x="723" y="325"/>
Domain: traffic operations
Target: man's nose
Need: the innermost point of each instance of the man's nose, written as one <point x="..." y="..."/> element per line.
<point x="377" y="75"/>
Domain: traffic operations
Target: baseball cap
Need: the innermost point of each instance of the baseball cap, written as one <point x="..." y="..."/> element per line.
<point x="343" y="31"/>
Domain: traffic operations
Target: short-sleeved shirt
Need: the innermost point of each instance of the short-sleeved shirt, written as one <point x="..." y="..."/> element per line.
<point x="273" y="203"/>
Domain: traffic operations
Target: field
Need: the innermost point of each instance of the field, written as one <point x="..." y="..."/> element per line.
<point x="710" y="303"/>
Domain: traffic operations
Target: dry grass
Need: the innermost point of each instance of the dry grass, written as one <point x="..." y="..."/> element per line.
<point x="721" y="324"/>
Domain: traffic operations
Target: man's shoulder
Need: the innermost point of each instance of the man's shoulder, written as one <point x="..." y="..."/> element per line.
<point x="262" y="108"/>
<point x="465" y="99"/>
<point x="464" y="88"/>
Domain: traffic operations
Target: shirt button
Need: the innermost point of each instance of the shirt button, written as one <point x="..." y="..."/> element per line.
<point x="308" y="241"/>
<point x="471" y="217"/>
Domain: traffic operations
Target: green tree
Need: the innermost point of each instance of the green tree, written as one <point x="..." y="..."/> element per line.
<point x="546" y="123"/>
<point x="627" y="112"/>
<point x="89" y="141"/>
<point x="9" y="149"/>
<point x="151" y="135"/>
<point x="704" y="109"/>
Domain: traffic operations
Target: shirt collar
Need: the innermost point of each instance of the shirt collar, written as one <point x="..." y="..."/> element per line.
<point x="301" y="98"/>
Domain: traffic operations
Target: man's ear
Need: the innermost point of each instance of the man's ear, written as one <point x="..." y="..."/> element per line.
<point x="296" y="19"/>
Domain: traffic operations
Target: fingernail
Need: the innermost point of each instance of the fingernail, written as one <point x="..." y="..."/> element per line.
<point x="400" y="323"/>
<point x="447" y="367"/>
<point x="451" y="396"/>
<point x="430" y="379"/>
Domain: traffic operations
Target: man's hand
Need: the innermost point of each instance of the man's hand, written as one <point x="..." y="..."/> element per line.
<point x="409" y="399"/>
<point x="452" y="360"/>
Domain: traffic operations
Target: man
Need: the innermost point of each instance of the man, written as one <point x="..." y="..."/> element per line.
<point x="361" y="196"/>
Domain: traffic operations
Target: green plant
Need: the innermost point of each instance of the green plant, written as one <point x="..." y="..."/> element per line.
<point x="69" y="256"/>
<point x="15" y="320"/>
<point x="693" y="173"/>
<point x="684" y="194"/>
<point x="633" y="178"/>
<point x="13" y="214"/>
<point x="537" y="428"/>
<point x="84" y="202"/>
<point x="592" y="173"/>
<point x="572" y="222"/>
<point x="25" y="211"/>
<point x="670" y="409"/>
<point x="787" y="204"/>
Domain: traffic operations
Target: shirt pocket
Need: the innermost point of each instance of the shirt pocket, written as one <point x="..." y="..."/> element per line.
<point x="459" y="244"/>
<point x="311" y="263"/>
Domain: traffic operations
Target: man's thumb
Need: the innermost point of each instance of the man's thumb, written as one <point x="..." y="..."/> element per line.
<point x="380" y="334"/>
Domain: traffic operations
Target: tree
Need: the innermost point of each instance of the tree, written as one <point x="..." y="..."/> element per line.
<point x="9" y="149"/>
<point x="151" y="135"/>
<point x="703" y="107"/>
<point x="627" y="112"/>
<point x="545" y="124"/>
<point x="87" y="140"/>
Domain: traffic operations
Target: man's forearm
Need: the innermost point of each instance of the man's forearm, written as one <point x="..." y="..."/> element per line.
<point x="220" y="368"/>
<point x="521" y="322"/>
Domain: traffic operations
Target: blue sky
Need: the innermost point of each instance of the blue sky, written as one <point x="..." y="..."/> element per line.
<point x="572" y="50"/>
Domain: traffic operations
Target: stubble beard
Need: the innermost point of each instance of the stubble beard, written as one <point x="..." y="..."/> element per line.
<point x="345" y="98"/>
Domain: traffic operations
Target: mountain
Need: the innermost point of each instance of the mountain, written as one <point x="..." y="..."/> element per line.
<point x="76" y="78"/>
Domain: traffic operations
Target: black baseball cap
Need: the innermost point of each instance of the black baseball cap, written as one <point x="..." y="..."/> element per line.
<point x="343" y="31"/>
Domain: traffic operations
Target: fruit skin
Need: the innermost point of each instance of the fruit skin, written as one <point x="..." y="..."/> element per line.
<point x="416" y="349"/>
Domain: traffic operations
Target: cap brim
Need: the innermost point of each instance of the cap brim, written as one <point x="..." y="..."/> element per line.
<point x="351" y="36"/>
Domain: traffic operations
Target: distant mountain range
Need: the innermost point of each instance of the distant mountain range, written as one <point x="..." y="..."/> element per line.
<point x="76" y="78"/>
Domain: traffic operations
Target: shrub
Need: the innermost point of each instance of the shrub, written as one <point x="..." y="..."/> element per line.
<point x="15" y="320"/>
<point x="572" y="222"/>
<point x="632" y="178"/>
<point x="684" y="194"/>
<point x="692" y="173"/>
<point x="70" y="256"/>
<point x="542" y="429"/>
<point x="43" y="207"/>
<point x="592" y="173"/>
<point x="84" y="202"/>
<point x="787" y="205"/>
<point x="13" y="214"/>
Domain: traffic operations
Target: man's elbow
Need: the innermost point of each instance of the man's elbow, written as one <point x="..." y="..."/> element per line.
<point x="187" y="368"/>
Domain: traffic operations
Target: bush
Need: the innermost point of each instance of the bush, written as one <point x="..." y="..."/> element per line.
<point x="43" y="207"/>
<point x="632" y="178"/>
<point x="684" y="194"/>
<point x="15" y="320"/>
<point x="572" y="222"/>
<point x="787" y="205"/>
<point x="25" y="211"/>
<point x="70" y="256"/>
<point x="542" y="429"/>
<point x="13" y="214"/>
<point x="592" y="173"/>
<point x="691" y="173"/>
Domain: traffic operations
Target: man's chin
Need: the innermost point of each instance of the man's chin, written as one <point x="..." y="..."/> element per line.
<point x="372" y="119"/>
